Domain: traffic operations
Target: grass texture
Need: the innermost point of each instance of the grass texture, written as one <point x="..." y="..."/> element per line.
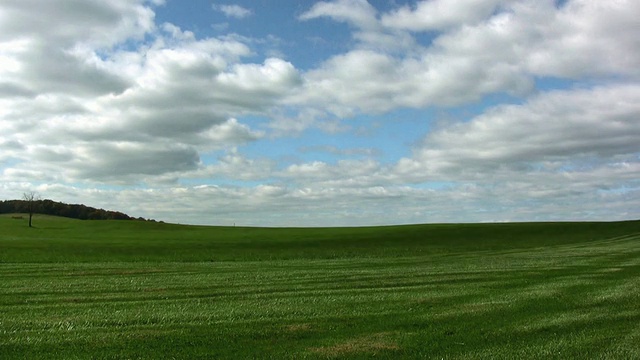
<point x="74" y="289"/>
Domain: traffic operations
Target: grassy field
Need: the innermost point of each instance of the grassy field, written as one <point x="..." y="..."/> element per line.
<point x="74" y="289"/>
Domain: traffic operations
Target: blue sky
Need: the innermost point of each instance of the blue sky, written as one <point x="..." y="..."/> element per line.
<point x="324" y="113"/>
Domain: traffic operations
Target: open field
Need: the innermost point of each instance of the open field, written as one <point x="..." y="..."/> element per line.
<point x="125" y="290"/>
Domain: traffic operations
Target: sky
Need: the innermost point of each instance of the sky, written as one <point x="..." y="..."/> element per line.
<point x="324" y="113"/>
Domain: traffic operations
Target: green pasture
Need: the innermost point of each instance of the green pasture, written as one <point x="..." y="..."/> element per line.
<point x="72" y="289"/>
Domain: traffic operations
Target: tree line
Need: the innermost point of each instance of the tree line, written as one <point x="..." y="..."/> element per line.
<point x="50" y="207"/>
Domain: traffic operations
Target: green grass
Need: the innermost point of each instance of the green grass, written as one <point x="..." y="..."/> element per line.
<point x="137" y="290"/>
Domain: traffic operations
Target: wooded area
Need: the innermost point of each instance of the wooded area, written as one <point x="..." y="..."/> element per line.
<point x="50" y="207"/>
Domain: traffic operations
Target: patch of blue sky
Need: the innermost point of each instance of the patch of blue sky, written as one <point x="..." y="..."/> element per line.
<point x="550" y="83"/>
<point x="272" y="30"/>
<point x="467" y="112"/>
<point x="129" y="45"/>
<point x="284" y="153"/>
<point x="317" y="43"/>
<point x="211" y="156"/>
<point x="225" y="182"/>
<point x="255" y="122"/>
<point x="10" y="162"/>
<point x="425" y="38"/>
<point x="383" y="138"/>
<point x="622" y="191"/>
<point x="394" y="133"/>
<point x="193" y="15"/>
<point x="111" y="187"/>
<point x="435" y="185"/>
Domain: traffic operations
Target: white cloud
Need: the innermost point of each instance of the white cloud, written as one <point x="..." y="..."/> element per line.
<point x="114" y="162"/>
<point x="502" y="49"/>
<point x="42" y="54"/>
<point x="568" y="127"/>
<point x="233" y="166"/>
<point x="582" y="38"/>
<point x="338" y="151"/>
<point x="274" y="77"/>
<point x="378" y="77"/>
<point x="277" y="205"/>
<point x="86" y="107"/>
<point x="68" y="22"/>
<point x="568" y="155"/>
<point x="356" y="12"/>
<point x="432" y="15"/>
<point x="229" y="132"/>
<point x="98" y="95"/>
<point x="234" y="11"/>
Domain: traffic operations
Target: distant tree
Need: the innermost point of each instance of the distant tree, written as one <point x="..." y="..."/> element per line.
<point x="30" y="197"/>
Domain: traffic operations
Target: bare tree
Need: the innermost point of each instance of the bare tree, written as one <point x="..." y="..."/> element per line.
<point x="30" y="197"/>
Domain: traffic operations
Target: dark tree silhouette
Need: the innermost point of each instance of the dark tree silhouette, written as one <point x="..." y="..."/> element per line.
<point x="50" y="207"/>
<point x="30" y="198"/>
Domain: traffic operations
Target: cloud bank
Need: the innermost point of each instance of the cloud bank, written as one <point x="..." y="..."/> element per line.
<point x="101" y="103"/>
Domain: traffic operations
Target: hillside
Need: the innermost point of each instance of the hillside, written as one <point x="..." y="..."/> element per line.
<point x="74" y="211"/>
<point x="69" y="240"/>
<point x="75" y="289"/>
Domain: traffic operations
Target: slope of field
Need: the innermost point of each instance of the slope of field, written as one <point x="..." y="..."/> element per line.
<point x="56" y="239"/>
<point x="115" y="289"/>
